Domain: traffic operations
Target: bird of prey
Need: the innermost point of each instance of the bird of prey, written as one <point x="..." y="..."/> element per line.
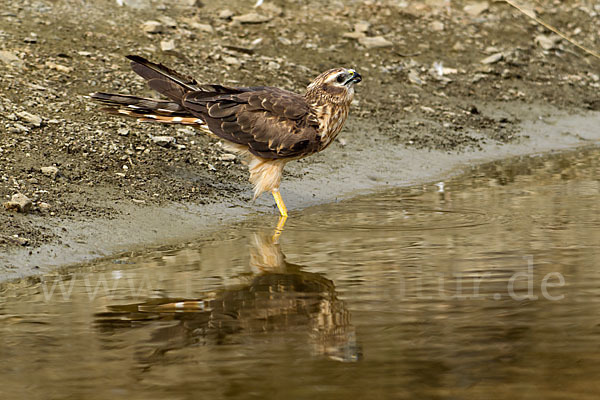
<point x="266" y="125"/>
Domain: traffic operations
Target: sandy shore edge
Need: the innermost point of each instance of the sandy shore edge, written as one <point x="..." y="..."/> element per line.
<point x="353" y="171"/>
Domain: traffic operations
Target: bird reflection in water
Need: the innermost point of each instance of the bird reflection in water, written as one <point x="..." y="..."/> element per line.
<point x="280" y="297"/>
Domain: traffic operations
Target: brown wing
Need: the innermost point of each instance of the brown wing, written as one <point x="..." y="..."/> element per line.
<point x="272" y="122"/>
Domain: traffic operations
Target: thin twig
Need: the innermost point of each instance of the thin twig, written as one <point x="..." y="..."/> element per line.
<point x="553" y="29"/>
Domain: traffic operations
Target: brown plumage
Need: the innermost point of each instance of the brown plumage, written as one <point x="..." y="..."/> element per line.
<point x="268" y="126"/>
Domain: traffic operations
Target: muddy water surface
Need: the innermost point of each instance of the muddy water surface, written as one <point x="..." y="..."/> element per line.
<point x="483" y="286"/>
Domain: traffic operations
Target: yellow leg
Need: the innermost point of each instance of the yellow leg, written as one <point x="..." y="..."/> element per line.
<point x="280" y="203"/>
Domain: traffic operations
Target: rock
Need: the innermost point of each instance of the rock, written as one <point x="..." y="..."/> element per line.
<point x="354" y="35"/>
<point x="272" y="65"/>
<point x="30" y="118"/>
<point x="43" y="206"/>
<point x="152" y="27"/>
<point x="547" y="42"/>
<point x="476" y="9"/>
<point x="374" y="42"/>
<point x="226" y="14"/>
<point x="414" y="77"/>
<point x="163" y="141"/>
<point x="10" y="58"/>
<point x="436" y="26"/>
<point x="231" y="60"/>
<point x="18" y="128"/>
<point x="50" y="171"/>
<point x="284" y="41"/>
<point x="458" y="46"/>
<point x="167" y="45"/>
<point x="58" y="67"/>
<point x="123" y="131"/>
<point x="362" y="26"/>
<point x="202" y="27"/>
<point x="19" y="203"/>
<point x="494" y="58"/>
<point x="168" y="21"/>
<point x="252" y="18"/>
<point x="491" y="50"/>
<point x="227" y="157"/>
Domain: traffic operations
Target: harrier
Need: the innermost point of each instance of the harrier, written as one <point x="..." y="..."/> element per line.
<point x="267" y="126"/>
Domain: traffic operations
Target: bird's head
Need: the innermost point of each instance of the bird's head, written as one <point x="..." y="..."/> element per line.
<point x="335" y="85"/>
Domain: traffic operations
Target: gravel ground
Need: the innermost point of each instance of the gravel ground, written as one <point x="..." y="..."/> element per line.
<point x="438" y="75"/>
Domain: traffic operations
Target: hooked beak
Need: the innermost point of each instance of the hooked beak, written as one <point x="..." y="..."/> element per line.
<point x="354" y="77"/>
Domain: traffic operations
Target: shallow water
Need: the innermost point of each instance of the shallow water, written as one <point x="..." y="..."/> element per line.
<point x="487" y="286"/>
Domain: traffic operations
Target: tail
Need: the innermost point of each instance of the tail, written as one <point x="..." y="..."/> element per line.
<point x="165" y="81"/>
<point x="146" y="109"/>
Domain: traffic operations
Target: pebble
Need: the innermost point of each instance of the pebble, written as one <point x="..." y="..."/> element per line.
<point x="163" y="141"/>
<point x="152" y="27"/>
<point x="494" y="58"/>
<point x="251" y="18"/>
<point x="19" y="203"/>
<point x="30" y="118"/>
<point x="50" y="171"/>
<point x="362" y="26"/>
<point x="10" y="58"/>
<point x="168" y="21"/>
<point x="226" y="14"/>
<point x="167" y="45"/>
<point x="58" y="67"/>
<point x="202" y="27"/>
<point x="547" y="42"/>
<point x="123" y="131"/>
<point x="374" y="42"/>
<point x="227" y="157"/>
<point x="475" y="9"/>
<point x="436" y="26"/>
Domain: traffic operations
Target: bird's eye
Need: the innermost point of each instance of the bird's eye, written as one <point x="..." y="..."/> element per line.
<point x="340" y="78"/>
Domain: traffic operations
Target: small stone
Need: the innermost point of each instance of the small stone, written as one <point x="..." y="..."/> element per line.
<point x="84" y="53"/>
<point x="284" y="41"/>
<point x="494" y="58"/>
<point x="231" y="61"/>
<point x="163" y="141"/>
<point x="18" y="128"/>
<point x="227" y="157"/>
<point x="414" y="77"/>
<point x="547" y="42"/>
<point x="10" y="58"/>
<point x="19" y="203"/>
<point x="491" y="50"/>
<point x="50" y="171"/>
<point x="168" y="21"/>
<point x="58" y="67"/>
<point x="252" y="18"/>
<point x="202" y="27"/>
<point x="167" y="45"/>
<point x="273" y="65"/>
<point x="354" y="35"/>
<point x="152" y="27"/>
<point x="123" y="131"/>
<point x="458" y="46"/>
<point x="226" y="14"/>
<point x="362" y="26"/>
<point x="30" y="118"/>
<point x="43" y="206"/>
<point x="374" y="42"/>
<point x="436" y="26"/>
<point x="475" y="9"/>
